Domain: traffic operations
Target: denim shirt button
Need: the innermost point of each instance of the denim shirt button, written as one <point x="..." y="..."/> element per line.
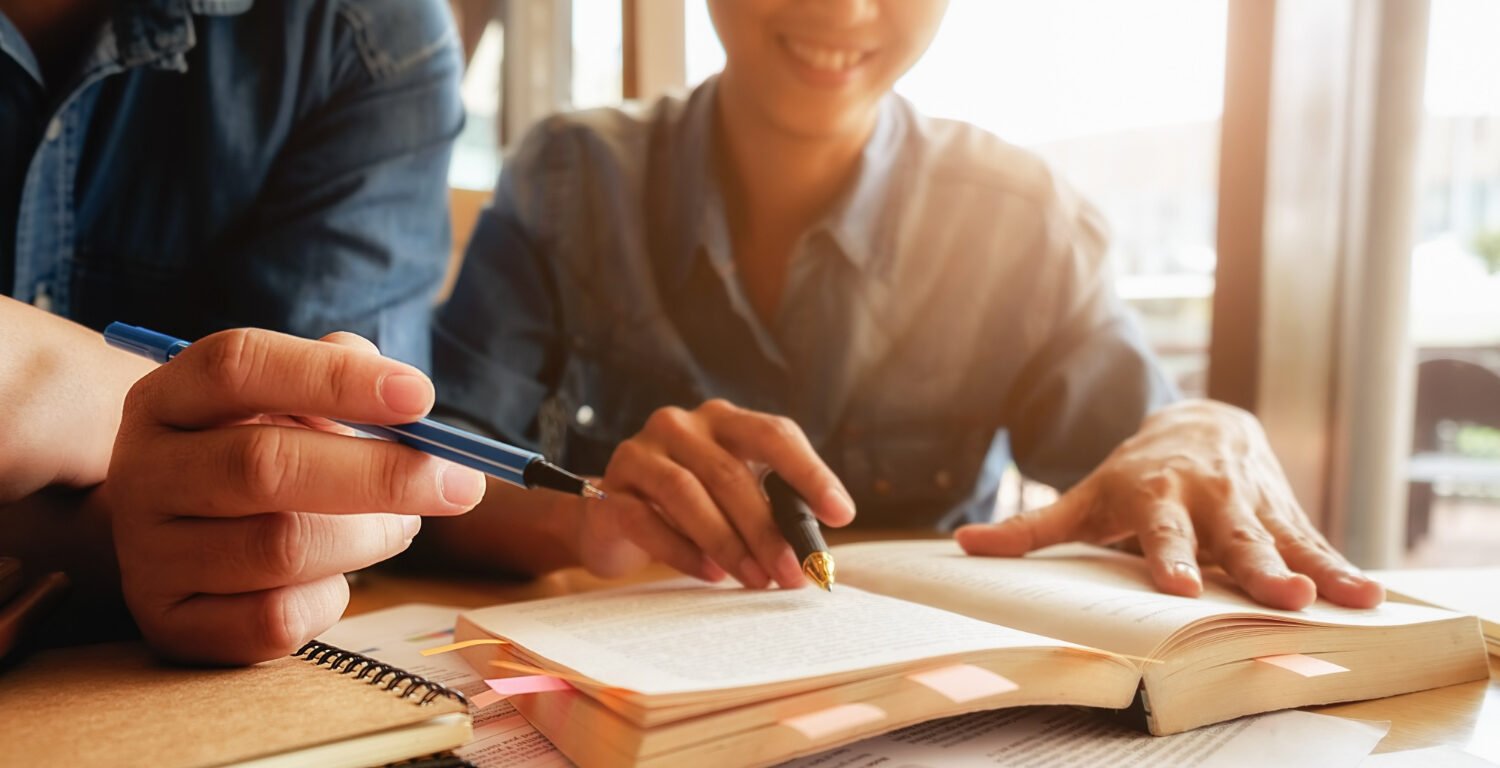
<point x="54" y="129"/>
<point x="943" y="479"/>
<point x="584" y="415"/>
<point x="882" y="486"/>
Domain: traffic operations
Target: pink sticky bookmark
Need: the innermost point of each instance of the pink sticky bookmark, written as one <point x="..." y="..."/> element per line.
<point x="964" y="682"/>
<point x="816" y="725"/>
<point x="1303" y="665"/>
<point x="513" y="686"/>
<point x="485" y="698"/>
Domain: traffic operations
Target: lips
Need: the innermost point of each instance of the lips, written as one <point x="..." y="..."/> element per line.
<point x="823" y="58"/>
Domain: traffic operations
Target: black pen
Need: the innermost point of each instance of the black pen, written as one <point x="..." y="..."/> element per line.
<point x="801" y="530"/>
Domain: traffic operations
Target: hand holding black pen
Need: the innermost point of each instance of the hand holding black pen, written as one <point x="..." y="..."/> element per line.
<point x="686" y="489"/>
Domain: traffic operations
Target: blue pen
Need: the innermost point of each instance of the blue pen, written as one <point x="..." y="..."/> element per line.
<point x="517" y="466"/>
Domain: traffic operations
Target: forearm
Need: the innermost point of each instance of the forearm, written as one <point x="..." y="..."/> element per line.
<point x="61" y="392"/>
<point x="513" y="532"/>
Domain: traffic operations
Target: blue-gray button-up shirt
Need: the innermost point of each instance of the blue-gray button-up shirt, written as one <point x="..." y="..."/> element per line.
<point x="954" y="306"/>
<point x="214" y="164"/>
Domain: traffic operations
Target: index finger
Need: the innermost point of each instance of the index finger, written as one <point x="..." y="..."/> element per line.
<point x="246" y="372"/>
<point x="780" y="444"/>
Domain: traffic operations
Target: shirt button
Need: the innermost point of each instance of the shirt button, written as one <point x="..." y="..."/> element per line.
<point x="882" y="486"/>
<point x="54" y="129"/>
<point x="943" y="479"/>
<point x="585" y="415"/>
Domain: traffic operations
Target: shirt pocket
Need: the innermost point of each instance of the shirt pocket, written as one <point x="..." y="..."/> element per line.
<point x="912" y="476"/>
<point x="611" y="384"/>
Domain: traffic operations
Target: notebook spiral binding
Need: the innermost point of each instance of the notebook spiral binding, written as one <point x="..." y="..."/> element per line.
<point x="404" y="683"/>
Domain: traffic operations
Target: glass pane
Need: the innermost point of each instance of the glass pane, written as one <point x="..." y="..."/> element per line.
<point x="598" y="55"/>
<point x="1123" y="99"/>
<point x="476" y="154"/>
<point x="1453" y="516"/>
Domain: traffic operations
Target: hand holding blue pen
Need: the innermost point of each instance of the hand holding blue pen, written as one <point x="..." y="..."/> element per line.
<point x="233" y="523"/>
<point x="518" y="466"/>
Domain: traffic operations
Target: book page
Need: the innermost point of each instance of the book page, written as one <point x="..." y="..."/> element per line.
<point x="684" y="635"/>
<point x="1088" y="595"/>
<point x="1046" y="737"/>
<point x="502" y="737"/>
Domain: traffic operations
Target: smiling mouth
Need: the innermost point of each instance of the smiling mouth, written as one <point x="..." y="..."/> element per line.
<point x="824" y="58"/>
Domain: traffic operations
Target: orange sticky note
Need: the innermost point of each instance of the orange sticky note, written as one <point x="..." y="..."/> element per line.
<point x="512" y="686"/>
<point x="964" y="682"/>
<point x="465" y="644"/>
<point x="1303" y="665"/>
<point x="485" y="698"/>
<point x="816" y="725"/>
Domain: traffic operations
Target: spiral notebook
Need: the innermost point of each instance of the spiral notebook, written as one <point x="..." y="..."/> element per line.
<point x="115" y="705"/>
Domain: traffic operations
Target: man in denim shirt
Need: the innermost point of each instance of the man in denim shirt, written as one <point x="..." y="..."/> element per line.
<point x="200" y="165"/>
<point x="792" y="268"/>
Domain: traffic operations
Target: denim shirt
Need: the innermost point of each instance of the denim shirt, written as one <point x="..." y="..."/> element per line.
<point x="954" y="304"/>
<point x="213" y="164"/>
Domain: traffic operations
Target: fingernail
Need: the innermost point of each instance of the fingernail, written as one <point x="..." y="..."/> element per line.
<point x="1187" y="570"/>
<point x="406" y="393"/>
<point x="711" y="571"/>
<point x="839" y="500"/>
<point x="751" y="574"/>
<point x="461" y="487"/>
<point x="410" y="524"/>
<point x="788" y="571"/>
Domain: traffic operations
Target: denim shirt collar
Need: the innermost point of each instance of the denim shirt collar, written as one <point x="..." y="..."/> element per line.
<point x="156" y="33"/>
<point x="858" y="222"/>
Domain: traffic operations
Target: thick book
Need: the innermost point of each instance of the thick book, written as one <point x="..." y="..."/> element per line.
<point x="114" y="705"/>
<point x="684" y="673"/>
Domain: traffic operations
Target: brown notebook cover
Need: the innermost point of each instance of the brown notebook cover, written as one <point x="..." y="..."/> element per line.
<point x="115" y="705"/>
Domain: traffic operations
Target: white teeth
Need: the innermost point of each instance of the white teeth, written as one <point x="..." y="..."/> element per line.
<point x="827" y="59"/>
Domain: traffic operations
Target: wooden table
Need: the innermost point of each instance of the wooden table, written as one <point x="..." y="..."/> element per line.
<point x="1465" y="716"/>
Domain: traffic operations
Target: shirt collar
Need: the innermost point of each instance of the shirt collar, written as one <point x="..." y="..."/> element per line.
<point x="157" y="33"/>
<point x="857" y="222"/>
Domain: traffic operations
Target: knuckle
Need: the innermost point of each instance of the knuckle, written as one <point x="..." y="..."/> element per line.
<point x="389" y="473"/>
<point x="1166" y="530"/>
<point x="1248" y="536"/>
<point x="283" y="622"/>
<point x="668" y="420"/>
<point x="726" y="474"/>
<point x="677" y="484"/>
<point x="265" y="465"/>
<point x="284" y="547"/>
<point x="232" y="357"/>
<point x="781" y="429"/>
<point x="717" y="407"/>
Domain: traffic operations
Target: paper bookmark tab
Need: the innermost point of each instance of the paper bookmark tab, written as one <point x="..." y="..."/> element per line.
<point x="465" y="644"/>
<point x="485" y="698"/>
<point x="825" y="722"/>
<point x="513" y="686"/>
<point x="964" y="682"/>
<point x="1303" y="665"/>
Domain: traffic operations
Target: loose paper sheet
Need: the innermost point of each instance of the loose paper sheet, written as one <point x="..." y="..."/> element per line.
<point x="502" y="738"/>
<point x="1063" y="736"/>
<point x="1432" y="757"/>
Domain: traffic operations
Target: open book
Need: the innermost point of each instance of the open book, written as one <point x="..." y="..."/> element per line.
<point x="683" y="673"/>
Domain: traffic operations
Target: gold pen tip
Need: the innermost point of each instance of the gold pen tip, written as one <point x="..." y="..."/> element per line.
<point x="591" y="491"/>
<point x="819" y="567"/>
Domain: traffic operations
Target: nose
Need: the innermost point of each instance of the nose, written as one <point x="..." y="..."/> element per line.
<point x="848" y="13"/>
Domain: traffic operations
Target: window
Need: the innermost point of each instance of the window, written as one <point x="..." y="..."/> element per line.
<point x="1454" y="502"/>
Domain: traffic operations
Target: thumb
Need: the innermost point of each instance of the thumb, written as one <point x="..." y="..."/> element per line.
<point x="1016" y="535"/>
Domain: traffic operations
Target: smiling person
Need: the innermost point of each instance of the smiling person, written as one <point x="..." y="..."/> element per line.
<point x="793" y="268"/>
